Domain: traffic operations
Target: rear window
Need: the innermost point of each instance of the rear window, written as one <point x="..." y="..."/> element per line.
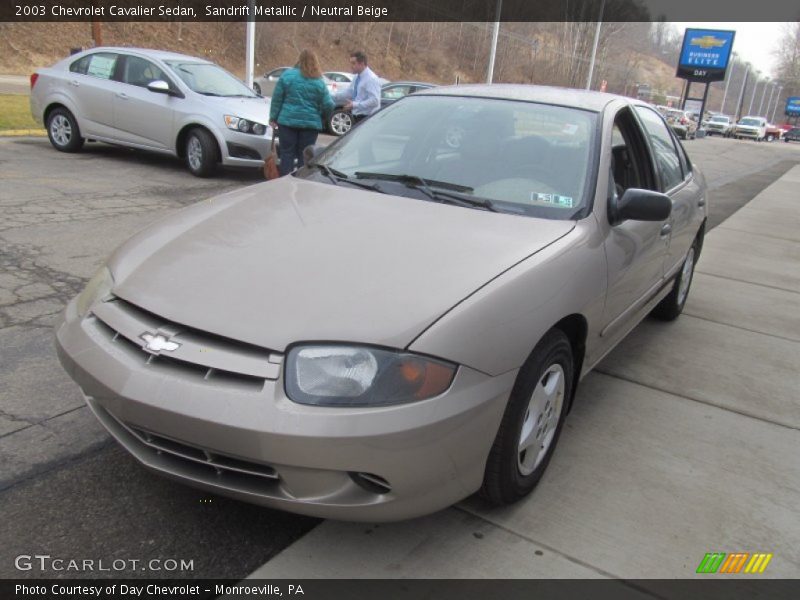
<point x="100" y="65"/>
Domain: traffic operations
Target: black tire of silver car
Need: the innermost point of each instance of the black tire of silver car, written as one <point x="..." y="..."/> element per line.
<point x="671" y="306"/>
<point x="340" y="122"/>
<point x="63" y="131"/>
<point x="202" y="153"/>
<point x="532" y="422"/>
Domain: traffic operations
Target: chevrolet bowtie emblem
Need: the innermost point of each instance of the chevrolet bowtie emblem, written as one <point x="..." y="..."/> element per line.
<point x="708" y="41"/>
<point x="156" y="343"/>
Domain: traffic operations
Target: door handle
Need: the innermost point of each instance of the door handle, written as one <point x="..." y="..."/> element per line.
<point x="666" y="229"/>
<point x="122" y="95"/>
<point x="701" y="202"/>
<point x="74" y="83"/>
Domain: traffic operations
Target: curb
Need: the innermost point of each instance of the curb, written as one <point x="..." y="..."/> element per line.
<point x="23" y="132"/>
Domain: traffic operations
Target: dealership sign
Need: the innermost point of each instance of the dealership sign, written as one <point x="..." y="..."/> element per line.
<point x="793" y="106"/>
<point x="705" y="54"/>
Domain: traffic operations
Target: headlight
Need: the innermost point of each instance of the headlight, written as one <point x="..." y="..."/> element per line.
<point x="361" y="376"/>
<point x="99" y="286"/>
<point x="243" y="125"/>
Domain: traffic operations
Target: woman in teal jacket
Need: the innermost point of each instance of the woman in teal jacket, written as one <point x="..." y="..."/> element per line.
<point x="300" y="105"/>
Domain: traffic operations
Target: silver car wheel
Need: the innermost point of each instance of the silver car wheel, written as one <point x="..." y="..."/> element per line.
<point x="341" y="123"/>
<point x="194" y="152"/>
<point x="541" y="419"/>
<point x="686" y="276"/>
<point x="61" y="130"/>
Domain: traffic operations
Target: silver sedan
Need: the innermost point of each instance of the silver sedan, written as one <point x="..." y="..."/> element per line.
<point x="400" y="323"/>
<point x="152" y="100"/>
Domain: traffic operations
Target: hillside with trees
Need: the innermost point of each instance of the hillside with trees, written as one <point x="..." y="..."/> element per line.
<point x="629" y="53"/>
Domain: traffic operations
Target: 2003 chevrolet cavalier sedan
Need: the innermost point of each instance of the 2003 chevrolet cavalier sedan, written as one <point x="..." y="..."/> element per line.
<point x="400" y="323"/>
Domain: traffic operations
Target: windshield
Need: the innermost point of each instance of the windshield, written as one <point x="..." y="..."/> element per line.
<point x="719" y="119"/>
<point x="753" y="122"/>
<point x="209" y="79"/>
<point x="516" y="157"/>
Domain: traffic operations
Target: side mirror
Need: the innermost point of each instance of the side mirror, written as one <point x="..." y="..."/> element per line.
<point x="639" y="205"/>
<point x="159" y="87"/>
<point x="309" y="152"/>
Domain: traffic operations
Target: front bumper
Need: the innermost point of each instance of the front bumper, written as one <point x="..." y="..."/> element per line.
<point x="252" y="443"/>
<point x="244" y="149"/>
<point x="748" y="133"/>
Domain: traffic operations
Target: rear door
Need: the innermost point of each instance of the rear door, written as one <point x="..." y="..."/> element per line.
<point x="91" y="84"/>
<point x="143" y="117"/>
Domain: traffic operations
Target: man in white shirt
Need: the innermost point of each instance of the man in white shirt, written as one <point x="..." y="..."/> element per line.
<point x="365" y="93"/>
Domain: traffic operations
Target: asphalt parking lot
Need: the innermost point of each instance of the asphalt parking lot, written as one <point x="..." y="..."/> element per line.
<point x="69" y="491"/>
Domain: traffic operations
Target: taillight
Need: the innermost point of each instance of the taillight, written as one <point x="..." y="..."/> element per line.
<point x="34" y="77"/>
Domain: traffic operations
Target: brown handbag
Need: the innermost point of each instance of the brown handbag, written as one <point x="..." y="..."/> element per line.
<point x="271" y="163"/>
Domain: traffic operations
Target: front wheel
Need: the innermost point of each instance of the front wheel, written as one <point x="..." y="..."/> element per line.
<point x="340" y="122"/>
<point x="672" y="305"/>
<point x="63" y="131"/>
<point x="531" y="423"/>
<point x="202" y="153"/>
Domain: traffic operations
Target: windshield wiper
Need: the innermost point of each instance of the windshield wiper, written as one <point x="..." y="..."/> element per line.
<point x="337" y="176"/>
<point x="209" y="94"/>
<point x="458" y="194"/>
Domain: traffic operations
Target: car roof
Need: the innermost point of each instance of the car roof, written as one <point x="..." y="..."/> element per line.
<point x="425" y="83"/>
<point x="157" y="54"/>
<point x="586" y="100"/>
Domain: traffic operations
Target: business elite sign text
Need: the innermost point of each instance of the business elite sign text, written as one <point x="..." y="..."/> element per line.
<point x="705" y="54"/>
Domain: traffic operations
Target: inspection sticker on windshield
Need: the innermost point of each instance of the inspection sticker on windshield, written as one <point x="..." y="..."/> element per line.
<point x="555" y="199"/>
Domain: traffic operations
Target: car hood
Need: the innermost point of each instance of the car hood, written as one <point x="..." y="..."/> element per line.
<point x="294" y="260"/>
<point x="252" y="109"/>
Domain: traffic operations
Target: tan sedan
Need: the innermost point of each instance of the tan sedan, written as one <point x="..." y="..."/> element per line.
<point x="400" y="323"/>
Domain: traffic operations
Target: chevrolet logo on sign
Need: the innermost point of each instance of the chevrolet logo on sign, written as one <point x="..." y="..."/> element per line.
<point x="708" y="41"/>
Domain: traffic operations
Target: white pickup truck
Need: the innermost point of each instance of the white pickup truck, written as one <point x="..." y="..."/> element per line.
<point x="754" y="128"/>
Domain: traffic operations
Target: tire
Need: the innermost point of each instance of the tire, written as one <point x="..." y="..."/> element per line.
<point x="202" y="152"/>
<point x="770" y="137"/>
<point x="536" y="411"/>
<point x="63" y="131"/>
<point x="340" y="122"/>
<point x="671" y="306"/>
<point x="257" y="88"/>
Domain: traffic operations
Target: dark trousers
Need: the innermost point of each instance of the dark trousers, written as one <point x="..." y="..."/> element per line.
<point x="292" y="141"/>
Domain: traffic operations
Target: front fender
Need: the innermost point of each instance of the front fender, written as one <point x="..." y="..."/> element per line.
<point x="496" y="328"/>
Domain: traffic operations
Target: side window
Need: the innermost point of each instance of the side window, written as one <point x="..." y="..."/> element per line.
<point x="140" y="72"/>
<point x="80" y="65"/>
<point x="396" y="91"/>
<point x="630" y="158"/>
<point x="102" y="65"/>
<point x="666" y="155"/>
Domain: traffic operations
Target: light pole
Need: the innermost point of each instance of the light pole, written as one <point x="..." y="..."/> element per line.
<point x="493" y="50"/>
<point x="763" y="94"/>
<point x="727" y="83"/>
<point x="594" y="47"/>
<point x="771" y="91"/>
<point x="753" y="96"/>
<point x="777" y="99"/>
<point x="741" y="92"/>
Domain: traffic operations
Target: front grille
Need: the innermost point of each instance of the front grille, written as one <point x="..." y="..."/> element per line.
<point x="199" y="355"/>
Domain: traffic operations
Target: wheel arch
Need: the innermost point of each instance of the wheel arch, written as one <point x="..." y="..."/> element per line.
<point x="576" y="328"/>
<point x="180" y="139"/>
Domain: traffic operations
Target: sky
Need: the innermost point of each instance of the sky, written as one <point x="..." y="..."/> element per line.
<point x="754" y="42"/>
